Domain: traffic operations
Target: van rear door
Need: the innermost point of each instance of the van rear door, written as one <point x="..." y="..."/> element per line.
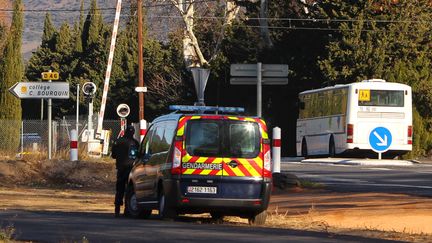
<point x="243" y="162"/>
<point x="223" y="156"/>
<point x="202" y="160"/>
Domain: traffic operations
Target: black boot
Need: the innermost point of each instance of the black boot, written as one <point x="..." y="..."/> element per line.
<point x="117" y="211"/>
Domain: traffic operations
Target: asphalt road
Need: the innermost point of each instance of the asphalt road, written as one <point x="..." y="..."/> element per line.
<point x="94" y="227"/>
<point x="414" y="179"/>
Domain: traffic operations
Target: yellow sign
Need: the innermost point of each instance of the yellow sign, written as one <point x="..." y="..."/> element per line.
<point x="364" y="95"/>
<point x="50" y="75"/>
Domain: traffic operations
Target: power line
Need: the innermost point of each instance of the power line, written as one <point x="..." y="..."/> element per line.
<point x="100" y="9"/>
<point x="310" y="20"/>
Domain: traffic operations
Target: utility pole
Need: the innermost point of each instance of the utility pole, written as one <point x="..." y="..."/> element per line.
<point x="143" y="124"/>
<point x="140" y="62"/>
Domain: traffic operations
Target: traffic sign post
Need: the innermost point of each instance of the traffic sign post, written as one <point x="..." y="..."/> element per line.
<point x="259" y="74"/>
<point x="380" y="140"/>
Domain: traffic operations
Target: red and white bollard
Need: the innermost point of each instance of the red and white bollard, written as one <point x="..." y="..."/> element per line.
<point x="276" y="149"/>
<point x="143" y="129"/>
<point x="74" y="145"/>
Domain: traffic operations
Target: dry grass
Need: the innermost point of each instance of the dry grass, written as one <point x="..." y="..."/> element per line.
<point x="6" y="233"/>
<point x="42" y="154"/>
<point x="310" y="221"/>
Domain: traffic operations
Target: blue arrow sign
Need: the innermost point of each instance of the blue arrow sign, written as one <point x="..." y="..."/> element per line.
<point x="380" y="139"/>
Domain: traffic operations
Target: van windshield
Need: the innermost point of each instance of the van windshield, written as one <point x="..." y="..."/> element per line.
<point x="221" y="138"/>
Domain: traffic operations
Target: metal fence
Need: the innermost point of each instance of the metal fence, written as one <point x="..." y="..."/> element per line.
<point x="33" y="136"/>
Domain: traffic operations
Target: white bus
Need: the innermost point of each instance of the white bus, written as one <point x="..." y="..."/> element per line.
<point x="338" y="119"/>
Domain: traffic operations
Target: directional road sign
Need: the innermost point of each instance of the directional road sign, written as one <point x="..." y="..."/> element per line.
<point x="380" y="139"/>
<point x="250" y="70"/>
<point x="254" y="81"/>
<point x="40" y="90"/>
<point x="50" y="76"/>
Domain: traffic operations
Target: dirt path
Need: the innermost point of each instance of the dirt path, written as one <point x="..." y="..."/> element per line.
<point x="373" y="211"/>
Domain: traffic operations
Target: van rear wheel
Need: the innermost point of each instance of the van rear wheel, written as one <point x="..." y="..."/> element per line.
<point x="133" y="209"/>
<point x="259" y="218"/>
<point x="165" y="212"/>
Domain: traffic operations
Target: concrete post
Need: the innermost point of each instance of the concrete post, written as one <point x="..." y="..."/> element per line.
<point x="74" y="145"/>
<point x="143" y="129"/>
<point x="276" y="149"/>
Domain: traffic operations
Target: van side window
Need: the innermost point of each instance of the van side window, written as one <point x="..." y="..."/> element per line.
<point x="145" y="145"/>
<point x="170" y="128"/>
<point x="156" y="141"/>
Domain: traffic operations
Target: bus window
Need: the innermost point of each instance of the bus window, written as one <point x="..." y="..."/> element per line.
<point x="387" y="98"/>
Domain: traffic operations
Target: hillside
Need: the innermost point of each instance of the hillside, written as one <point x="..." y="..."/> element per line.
<point x="34" y="20"/>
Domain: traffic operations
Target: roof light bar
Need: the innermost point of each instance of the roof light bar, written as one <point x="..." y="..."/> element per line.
<point x="191" y="108"/>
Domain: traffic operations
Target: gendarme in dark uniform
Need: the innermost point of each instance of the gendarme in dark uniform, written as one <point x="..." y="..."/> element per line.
<point x="124" y="152"/>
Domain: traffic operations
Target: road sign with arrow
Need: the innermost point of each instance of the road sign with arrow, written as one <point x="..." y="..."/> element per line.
<point x="40" y="90"/>
<point x="380" y="139"/>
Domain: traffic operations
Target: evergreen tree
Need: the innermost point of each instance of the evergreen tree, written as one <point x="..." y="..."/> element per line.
<point x="93" y="26"/>
<point x="48" y="33"/>
<point x="77" y="40"/>
<point x="63" y="40"/>
<point x="11" y="71"/>
<point x="78" y="29"/>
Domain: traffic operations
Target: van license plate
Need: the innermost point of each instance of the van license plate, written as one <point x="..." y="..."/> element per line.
<point x="202" y="189"/>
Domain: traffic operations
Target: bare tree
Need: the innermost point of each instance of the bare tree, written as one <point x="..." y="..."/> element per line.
<point x="167" y="90"/>
<point x="192" y="52"/>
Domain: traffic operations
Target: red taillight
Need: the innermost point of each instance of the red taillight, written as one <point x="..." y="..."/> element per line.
<point x="350" y="133"/>
<point x="267" y="161"/>
<point x="410" y="133"/>
<point x="185" y="200"/>
<point x="176" y="158"/>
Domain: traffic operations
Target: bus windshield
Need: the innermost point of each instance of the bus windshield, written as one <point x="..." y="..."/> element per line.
<point x="387" y="98"/>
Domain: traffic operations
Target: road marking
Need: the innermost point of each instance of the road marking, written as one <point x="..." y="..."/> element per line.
<point x="383" y="185"/>
<point x="376" y="168"/>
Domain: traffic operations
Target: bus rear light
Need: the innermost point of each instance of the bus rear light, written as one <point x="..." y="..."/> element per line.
<point x="350" y="133"/>
<point x="410" y="133"/>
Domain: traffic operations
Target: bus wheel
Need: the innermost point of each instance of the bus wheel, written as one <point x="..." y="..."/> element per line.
<point x="304" y="151"/>
<point x="332" y="148"/>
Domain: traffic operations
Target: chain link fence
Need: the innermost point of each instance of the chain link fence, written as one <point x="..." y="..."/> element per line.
<point x="33" y="136"/>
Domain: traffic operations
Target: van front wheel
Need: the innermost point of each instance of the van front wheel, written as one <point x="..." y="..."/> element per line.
<point x="133" y="209"/>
